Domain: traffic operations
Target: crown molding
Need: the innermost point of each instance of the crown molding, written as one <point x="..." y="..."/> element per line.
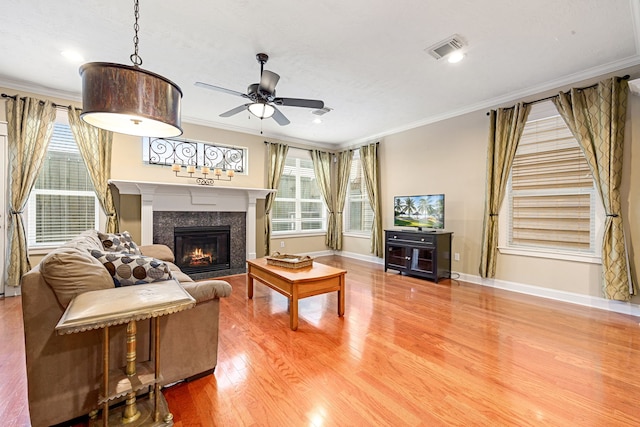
<point x="19" y="85"/>
<point x="511" y="97"/>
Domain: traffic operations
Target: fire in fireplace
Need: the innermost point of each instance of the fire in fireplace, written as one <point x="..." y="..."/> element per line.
<point x="201" y="249"/>
<point x="197" y="258"/>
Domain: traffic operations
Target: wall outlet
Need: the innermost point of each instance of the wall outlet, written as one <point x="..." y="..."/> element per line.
<point x="456" y="256"/>
<point x="282" y="244"/>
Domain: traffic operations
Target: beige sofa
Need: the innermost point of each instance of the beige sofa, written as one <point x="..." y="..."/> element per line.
<point x="63" y="371"/>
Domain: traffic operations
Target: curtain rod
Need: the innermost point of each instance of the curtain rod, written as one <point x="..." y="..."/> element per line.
<point x="346" y="149"/>
<point x="297" y="148"/>
<point x="625" y="77"/>
<point x="15" y="97"/>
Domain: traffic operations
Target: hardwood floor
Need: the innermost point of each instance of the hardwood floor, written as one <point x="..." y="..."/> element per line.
<point x="408" y="352"/>
<point x="14" y="409"/>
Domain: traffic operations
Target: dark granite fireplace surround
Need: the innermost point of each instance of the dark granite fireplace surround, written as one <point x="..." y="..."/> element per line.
<point x="164" y="223"/>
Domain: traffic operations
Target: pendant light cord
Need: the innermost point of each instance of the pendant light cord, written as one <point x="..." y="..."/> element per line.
<point x="135" y="58"/>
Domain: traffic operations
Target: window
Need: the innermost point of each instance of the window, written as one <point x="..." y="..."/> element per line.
<point x="552" y="203"/>
<point x="169" y="151"/>
<point x="358" y="216"/>
<point x="298" y="206"/>
<point x="62" y="203"/>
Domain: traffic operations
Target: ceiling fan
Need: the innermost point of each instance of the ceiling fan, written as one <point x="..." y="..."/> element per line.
<point x="263" y="96"/>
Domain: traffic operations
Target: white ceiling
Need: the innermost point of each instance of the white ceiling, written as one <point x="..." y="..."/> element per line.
<point x="364" y="58"/>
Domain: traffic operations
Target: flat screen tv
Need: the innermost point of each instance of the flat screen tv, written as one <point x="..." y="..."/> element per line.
<point x="419" y="211"/>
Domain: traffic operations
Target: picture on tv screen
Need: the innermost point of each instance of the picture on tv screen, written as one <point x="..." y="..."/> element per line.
<point x="419" y="211"/>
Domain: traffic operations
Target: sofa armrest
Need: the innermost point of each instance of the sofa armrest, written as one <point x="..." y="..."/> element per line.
<point x="158" y="251"/>
<point x="207" y="289"/>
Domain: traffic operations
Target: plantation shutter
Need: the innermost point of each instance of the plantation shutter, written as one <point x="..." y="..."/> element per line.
<point x="298" y="205"/>
<point x="360" y="215"/>
<point x="552" y="190"/>
<point x="62" y="203"/>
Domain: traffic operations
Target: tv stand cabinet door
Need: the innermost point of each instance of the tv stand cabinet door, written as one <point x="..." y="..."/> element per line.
<point x="397" y="257"/>
<point x="423" y="261"/>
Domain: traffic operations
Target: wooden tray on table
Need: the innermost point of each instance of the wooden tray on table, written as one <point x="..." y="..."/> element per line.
<point x="289" y="260"/>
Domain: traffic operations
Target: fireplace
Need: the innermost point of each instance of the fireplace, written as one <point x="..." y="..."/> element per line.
<point x="202" y="249"/>
<point x="165" y="222"/>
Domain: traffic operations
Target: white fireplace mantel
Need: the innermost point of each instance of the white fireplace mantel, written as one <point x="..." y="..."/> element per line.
<point x="162" y="196"/>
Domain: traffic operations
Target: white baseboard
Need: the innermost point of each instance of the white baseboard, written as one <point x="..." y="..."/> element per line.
<point x="367" y="258"/>
<point x="557" y="295"/>
<point x="12" y="291"/>
<point x="319" y="253"/>
<point x="537" y="291"/>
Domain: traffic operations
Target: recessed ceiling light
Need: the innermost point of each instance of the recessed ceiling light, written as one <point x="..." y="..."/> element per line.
<point x="454" y="57"/>
<point x="72" y="55"/>
<point x="317" y="121"/>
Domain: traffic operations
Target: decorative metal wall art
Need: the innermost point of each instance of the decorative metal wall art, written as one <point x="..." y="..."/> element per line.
<point x="214" y="162"/>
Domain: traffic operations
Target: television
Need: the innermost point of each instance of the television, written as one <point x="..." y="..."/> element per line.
<point x="423" y="212"/>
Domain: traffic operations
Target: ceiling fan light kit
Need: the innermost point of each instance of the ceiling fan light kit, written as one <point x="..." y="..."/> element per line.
<point x="128" y="99"/>
<point x="263" y="96"/>
<point x="261" y="110"/>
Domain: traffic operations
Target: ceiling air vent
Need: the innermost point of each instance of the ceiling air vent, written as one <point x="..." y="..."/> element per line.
<point x="445" y="47"/>
<point x="321" y="111"/>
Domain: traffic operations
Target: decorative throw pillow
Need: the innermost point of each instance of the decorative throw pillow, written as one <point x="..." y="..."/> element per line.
<point x="71" y="271"/>
<point x="119" y="242"/>
<point x="127" y="269"/>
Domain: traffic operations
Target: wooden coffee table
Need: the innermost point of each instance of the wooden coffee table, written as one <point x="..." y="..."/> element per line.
<point x="297" y="283"/>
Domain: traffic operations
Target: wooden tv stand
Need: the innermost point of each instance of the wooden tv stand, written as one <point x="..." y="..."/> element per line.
<point x="425" y="254"/>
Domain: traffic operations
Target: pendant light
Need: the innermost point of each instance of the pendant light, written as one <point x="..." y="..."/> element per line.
<point x="128" y="99"/>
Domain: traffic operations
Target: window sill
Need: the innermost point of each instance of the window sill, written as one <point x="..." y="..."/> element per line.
<point x="284" y="235"/>
<point x="41" y="250"/>
<point x="566" y="256"/>
<point x="365" y="235"/>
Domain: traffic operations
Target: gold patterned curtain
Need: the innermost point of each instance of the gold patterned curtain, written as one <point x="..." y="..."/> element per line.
<point x="95" y="147"/>
<point x="505" y="128"/>
<point x="322" y="170"/>
<point x="30" y="126"/>
<point x="371" y="171"/>
<point x="343" y="168"/>
<point x="596" y="117"/>
<point x="276" y="157"/>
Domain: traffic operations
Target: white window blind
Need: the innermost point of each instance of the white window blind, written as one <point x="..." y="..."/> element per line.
<point x="552" y="194"/>
<point x="298" y="206"/>
<point x="62" y="203"/>
<point x="358" y="215"/>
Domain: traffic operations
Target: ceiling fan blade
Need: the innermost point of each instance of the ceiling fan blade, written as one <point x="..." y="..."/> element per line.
<point x="297" y="102"/>
<point x="234" y="111"/>
<point x="268" y="81"/>
<point x="280" y="118"/>
<point x="221" y="89"/>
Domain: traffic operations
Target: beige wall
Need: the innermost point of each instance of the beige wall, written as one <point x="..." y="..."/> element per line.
<point x="300" y="244"/>
<point x="444" y="157"/>
<point x="357" y="245"/>
<point x="129" y="208"/>
<point x="449" y="157"/>
<point x="127" y="165"/>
